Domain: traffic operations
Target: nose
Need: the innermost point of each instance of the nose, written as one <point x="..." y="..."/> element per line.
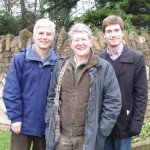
<point x="113" y="33"/>
<point x="80" y="42"/>
<point x="44" y="35"/>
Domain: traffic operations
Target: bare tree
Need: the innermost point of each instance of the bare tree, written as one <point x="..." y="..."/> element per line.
<point x="9" y="4"/>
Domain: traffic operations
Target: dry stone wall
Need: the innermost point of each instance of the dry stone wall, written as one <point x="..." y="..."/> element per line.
<point x="10" y="46"/>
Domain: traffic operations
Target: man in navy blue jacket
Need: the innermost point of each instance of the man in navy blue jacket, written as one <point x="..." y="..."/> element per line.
<point x="26" y="88"/>
<point x="129" y="65"/>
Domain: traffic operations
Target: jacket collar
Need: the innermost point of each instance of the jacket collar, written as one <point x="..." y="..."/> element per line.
<point x="90" y="61"/>
<point x="125" y="56"/>
<point x="30" y="55"/>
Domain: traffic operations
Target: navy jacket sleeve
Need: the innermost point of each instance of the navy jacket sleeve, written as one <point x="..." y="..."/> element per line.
<point x="12" y="89"/>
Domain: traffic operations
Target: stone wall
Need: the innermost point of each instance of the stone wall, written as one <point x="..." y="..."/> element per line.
<point x="145" y="145"/>
<point x="10" y="46"/>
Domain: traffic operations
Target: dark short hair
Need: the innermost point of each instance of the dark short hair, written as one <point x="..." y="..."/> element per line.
<point x="112" y="20"/>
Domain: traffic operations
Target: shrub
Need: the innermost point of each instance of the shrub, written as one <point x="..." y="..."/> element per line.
<point x="145" y="133"/>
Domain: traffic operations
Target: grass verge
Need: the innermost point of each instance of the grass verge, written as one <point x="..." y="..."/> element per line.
<point x="4" y="140"/>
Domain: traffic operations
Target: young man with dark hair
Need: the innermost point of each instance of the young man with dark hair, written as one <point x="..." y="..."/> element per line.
<point x="129" y="65"/>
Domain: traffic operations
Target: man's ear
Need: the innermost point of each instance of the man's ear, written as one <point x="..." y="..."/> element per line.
<point x="33" y="37"/>
<point x="122" y="32"/>
<point x="70" y="45"/>
<point x="92" y="38"/>
<point x="104" y="35"/>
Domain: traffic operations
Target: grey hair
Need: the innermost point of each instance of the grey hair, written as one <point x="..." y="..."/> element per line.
<point x="79" y="27"/>
<point x="44" y="23"/>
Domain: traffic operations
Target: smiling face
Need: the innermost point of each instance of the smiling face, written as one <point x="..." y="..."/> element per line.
<point x="80" y="44"/>
<point x="43" y="37"/>
<point x="113" y="35"/>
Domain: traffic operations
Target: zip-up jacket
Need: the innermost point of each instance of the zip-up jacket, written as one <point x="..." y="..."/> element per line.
<point x="26" y="88"/>
<point x="103" y="108"/>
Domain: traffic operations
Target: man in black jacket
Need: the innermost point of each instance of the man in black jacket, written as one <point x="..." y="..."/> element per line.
<point x="129" y="65"/>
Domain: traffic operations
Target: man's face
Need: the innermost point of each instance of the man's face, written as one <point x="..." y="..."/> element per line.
<point x="81" y="44"/>
<point x="113" y="35"/>
<point x="43" y="38"/>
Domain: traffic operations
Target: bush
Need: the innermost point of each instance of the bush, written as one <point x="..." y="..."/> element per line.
<point x="145" y="133"/>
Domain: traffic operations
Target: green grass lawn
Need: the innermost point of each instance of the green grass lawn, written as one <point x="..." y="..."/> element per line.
<point x="4" y="140"/>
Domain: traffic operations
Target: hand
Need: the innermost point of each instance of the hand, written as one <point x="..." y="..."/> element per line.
<point x="134" y="132"/>
<point x="16" y="127"/>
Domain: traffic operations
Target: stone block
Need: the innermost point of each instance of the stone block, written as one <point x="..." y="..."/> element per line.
<point x="145" y="145"/>
<point x="9" y="39"/>
<point x="2" y="43"/>
<point x="24" y="35"/>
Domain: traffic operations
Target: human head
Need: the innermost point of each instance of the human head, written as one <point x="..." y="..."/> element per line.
<point x="112" y="20"/>
<point x="44" y="23"/>
<point x="113" y="31"/>
<point x="43" y="34"/>
<point x="80" y="38"/>
<point x="79" y="27"/>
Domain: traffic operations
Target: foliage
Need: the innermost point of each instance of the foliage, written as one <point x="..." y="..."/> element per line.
<point x="134" y="13"/>
<point x="14" y="24"/>
<point x="9" y="24"/>
<point x="16" y="15"/>
<point x="145" y="133"/>
<point x="59" y="11"/>
<point x="140" y="10"/>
